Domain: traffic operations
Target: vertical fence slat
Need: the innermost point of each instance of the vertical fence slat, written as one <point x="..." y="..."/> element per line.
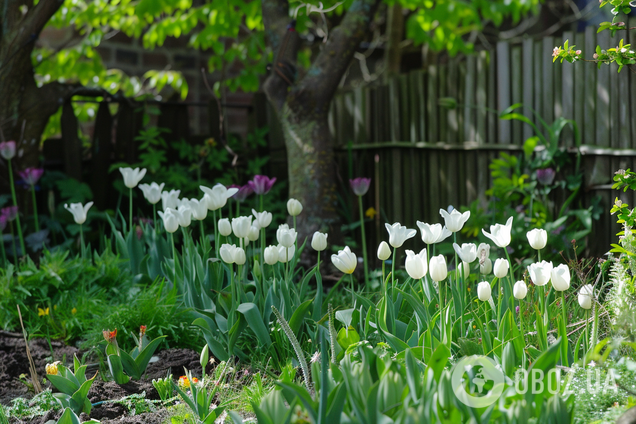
<point x="101" y="156"/>
<point x="431" y="103"/>
<point x="632" y="89"/>
<point x="71" y="143"/>
<point x="492" y="97"/>
<point x="394" y="109"/>
<point x="461" y="100"/>
<point x="528" y="79"/>
<point x="579" y="87"/>
<point x="567" y="91"/>
<point x="503" y="89"/>
<point x="452" y="90"/>
<point x="588" y="130"/>
<point x="480" y="95"/>
<point x="538" y="82"/>
<point x="547" y="84"/>
<point x="442" y="111"/>
<point x="614" y="101"/>
<point x="469" y="100"/>
<point x="404" y="114"/>
<point x="416" y="98"/>
<point x="516" y="91"/>
<point x="602" y="97"/>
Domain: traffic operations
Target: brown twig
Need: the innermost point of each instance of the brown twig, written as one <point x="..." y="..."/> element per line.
<point x="37" y="388"/>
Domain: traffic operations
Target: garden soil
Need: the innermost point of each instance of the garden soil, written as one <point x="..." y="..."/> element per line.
<point x="14" y="363"/>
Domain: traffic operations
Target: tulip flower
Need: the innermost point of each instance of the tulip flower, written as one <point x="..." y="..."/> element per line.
<point x="170" y="220"/>
<point x="31" y="175"/>
<point x="227" y="253"/>
<point x="199" y="209"/>
<point x="586" y="295"/>
<point x="437" y="268"/>
<point x="294" y="207"/>
<point x="261" y="184"/>
<point x="483" y="291"/>
<point x="271" y="255"/>
<point x="560" y="277"/>
<point x="253" y="233"/>
<point x="225" y="228"/>
<point x="79" y="212"/>
<point x="286" y="254"/>
<point x="239" y="256"/>
<point x="263" y="218"/>
<point x="319" y="241"/>
<point x="537" y="238"/>
<point x="500" y="234"/>
<point x="170" y="199"/>
<point x="286" y="236"/>
<point x="384" y="251"/>
<point x="243" y="193"/>
<point x="152" y="192"/>
<point x="7" y="149"/>
<point x="455" y="220"/>
<point x="398" y="234"/>
<point x="545" y="176"/>
<point x="501" y="268"/>
<point x="483" y="251"/>
<point x="432" y="234"/>
<point x="10" y="213"/>
<point x="345" y="260"/>
<point x="520" y="290"/>
<point x="184" y="215"/>
<point x="241" y="226"/>
<point x="132" y="176"/>
<point x="416" y="264"/>
<point x="466" y="269"/>
<point x="485" y="267"/>
<point x="467" y="252"/>
<point x="360" y="185"/>
<point x="540" y="273"/>
<point x="217" y="196"/>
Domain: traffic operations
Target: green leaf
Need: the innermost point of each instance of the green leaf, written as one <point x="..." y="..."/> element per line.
<point x="255" y="321"/>
<point x="62" y="384"/>
<point x="117" y="370"/>
<point x="129" y="365"/>
<point x="80" y="396"/>
<point x="438" y="360"/>
<point x="298" y="317"/>
<point x="68" y="417"/>
<point x="144" y="356"/>
<point x="347" y="337"/>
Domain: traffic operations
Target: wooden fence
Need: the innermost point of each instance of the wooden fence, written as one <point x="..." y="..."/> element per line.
<point x="431" y="156"/>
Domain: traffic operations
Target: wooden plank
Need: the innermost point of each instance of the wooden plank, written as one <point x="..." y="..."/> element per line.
<point x="602" y="97"/>
<point x="481" y="98"/>
<point x="538" y="83"/>
<point x="579" y="88"/>
<point x="415" y="96"/>
<point x="504" y="95"/>
<point x="567" y="93"/>
<point x="452" y="91"/>
<point x="405" y="116"/>
<point x="129" y="123"/>
<point x="359" y="115"/>
<point x="547" y="84"/>
<point x="435" y="187"/>
<point x="394" y="109"/>
<point x="470" y="128"/>
<point x="432" y="120"/>
<point x="71" y="142"/>
<point x="442" y="111"/>
<point x="493" y="117"/>
<point x="419" y="89"/>
<point x="397" y="191"/>
<point x="528" y="78"/>
<point x="615" y="97"/>
<point x="461" y="100"/>
<point x="470" y="181"/>
<point x="588" y="126"/>
<point x="101" y="154"/>
<point x="515" y="91"/>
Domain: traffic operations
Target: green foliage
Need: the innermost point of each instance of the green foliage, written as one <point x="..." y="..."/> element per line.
<point x="134" y="363"/>
<point x="200" y="400"/>
<point x="74" y="387"/>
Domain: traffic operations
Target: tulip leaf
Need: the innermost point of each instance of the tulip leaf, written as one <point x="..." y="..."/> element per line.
<point x="117" y="370"/>
<point x="130" y="366"/>
<point x="62" y="384"/>
<point x="143" y="358"/>
<point x="68" y="417"/>
<point x="438" y="360"/>
<point x="255" y="321"/>
<point x="298" y="317"/>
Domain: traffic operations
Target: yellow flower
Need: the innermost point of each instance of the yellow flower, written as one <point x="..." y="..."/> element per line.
<point x="74" y="311"/>
<point x="370" y="213"/>
<point x="184" y="383"/>
<point x="51" y="369"/>
<point x="42" y="312"/>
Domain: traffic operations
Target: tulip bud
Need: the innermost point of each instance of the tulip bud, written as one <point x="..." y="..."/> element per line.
<point x="520" y="290"/>
<point x="537" y="238"/>
<point x="437" y="268"/>
<point x="294" y="207"/>
<point x="199" y="209"/>
<point x="184" y="215"/>
<point x="467" y="252"/>
<point x="466" y="269"/>
<point x="345" y="260"/>
<point x="170" y="199"/>
<point x="271" y="255"/>
<point x="455" y="220"/>
<point x="132" y="176"/>
<point x="241" y="226"/>
<point x="286" y="236"/>
<point x="205" y="356"/>
<point x="152" y="192"/>
<point x="227" y="253"/>
<point x="7" y="149"/>
<point x="384" y="251"/>
<point x="79" y="212"/>
<point x="253" y="233"/>
<point x="398" y="234"/>
<point x="560" y="277"/>
<point x="433" y="233"/>
<point x="483" y="291"/>
<point x="225" y="228"/>
<point x="319" y="241"/>
<point x="485" y="268"/>
<point x="500" y="234"/>
<point x="586" y="295"/>
<point x="415" y="264"/>
<point x="501" y="268"/>
<point x="239" y="256"/>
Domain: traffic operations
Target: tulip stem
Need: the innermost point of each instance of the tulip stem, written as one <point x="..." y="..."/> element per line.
<point x="587" y="337"/>
<point x="216" y="234"/>
<point x="510" y="273"/>
<point x="441" y="310"/>
<point x="154" y="217"/>
<point x="174" y="260"/>
<point x="539" y="255"/>
<point x="383" y="276"/>
<point x="353" y="296"/>
<point x="4" y="254"/>
<point x="82" y="240"/>
<point x="364" y="243"/>
<point x="130" y="211"/>
<point x="17" y="215"/>
<point x="35" y="210"/>
<point x="393" y="271"/>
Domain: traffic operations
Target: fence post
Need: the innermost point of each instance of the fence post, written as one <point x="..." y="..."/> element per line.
<point x="71" y="142"/>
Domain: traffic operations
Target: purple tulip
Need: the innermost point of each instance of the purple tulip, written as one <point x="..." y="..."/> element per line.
<point x="261" y="184"/>
<point x="517" y="309"/>
<point x="545" y="176"/>
<point x="31" y="175"/>
<point x="10" y="212"/>
<point x="360" y="185"/>
<point x="243" y="193"/>
<point x="7" y="149"/>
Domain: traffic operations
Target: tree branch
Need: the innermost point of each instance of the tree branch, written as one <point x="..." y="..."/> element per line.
<point x="332" y="62"/>
<point x="36" y="18"/>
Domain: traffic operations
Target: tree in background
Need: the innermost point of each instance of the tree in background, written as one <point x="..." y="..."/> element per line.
<point x="308" y="47"/>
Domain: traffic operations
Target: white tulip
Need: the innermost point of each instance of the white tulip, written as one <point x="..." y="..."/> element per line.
<point x="199" y="209"/>
<point x="271" y="255"/>
<point x="467" y="252"/>
<point x="415" y="264"/>
<point x="152" y="192"/>
<point x="216" y="197"/>
<point x="286" y="254"/>
<point x="184" y="215"/>
<point x="398" y="234"/>
<point x="540" y="272"/>
<point x="560" y="277"/>
<point x="483" y="251"/>
<point x="466" y="267"/>
<point x="241" y="226"/>
<point x="500" y="234"/>
<point x="170" y="199"/>
<point x="501" y="268"/>
<point x="586" y="295"/>
<point x="432" y="234"/>
<point x="485" y="268"/>
<point x="225" y="228"/>
<point x="227" y="253"/>
<point x="384" y="251"/>
<point x="294" y="207"/>
<point x="170" y="220"/>
<point x="239" y="256"/>
<point x="484" y="291"/>
<point x="520" y="290"/>
<point x="285" y="235"/>
<point x="263" y="218"/>
<point x="437" y="268"/>
<point x="132" y="176"/>
<point x="79" y="212"/>
<point x="345" y="260"/>
<point x="537" y="238"/>
<point x="319" y="241"/>
<point x="253" y="234"/>
<point x="454" y="220"/>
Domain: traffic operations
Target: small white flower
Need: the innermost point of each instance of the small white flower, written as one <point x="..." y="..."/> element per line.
<point x="132" y="176"/>
<point x="79" y="212"/>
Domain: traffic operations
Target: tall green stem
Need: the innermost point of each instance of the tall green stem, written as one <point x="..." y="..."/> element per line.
<point x="130" y="211"/>
<point x="15" y="203"/>
<point x="393" y="260"/>
<point x="364" y="243"/>
<point x="174" y="260"/>
<point x="35" y="210"/>
<point x="442" y="318"/>
<point x="216" y="234"/>
<point x="4" y="254"/>
<point x="154" y="217"/>
<point x="353" y="295"/>
<point x="82" y="240"/>
<point x="587" y="335"/>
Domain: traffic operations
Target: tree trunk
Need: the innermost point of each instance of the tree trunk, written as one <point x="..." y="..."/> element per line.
<point x="311" y="168"/>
